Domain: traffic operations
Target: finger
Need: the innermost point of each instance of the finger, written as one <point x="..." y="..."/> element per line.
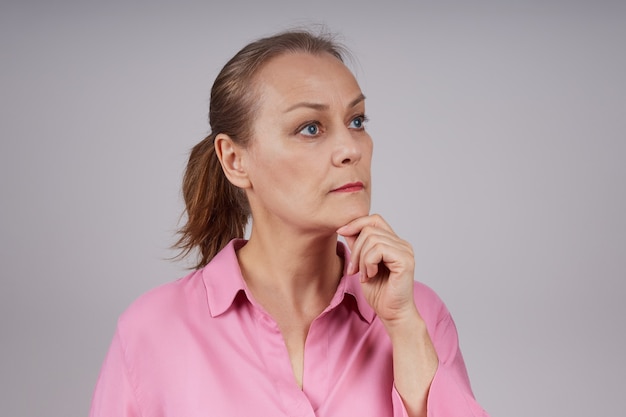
<point x="369" y="235"/>
<point x="355" y="226"/>
<point x="353" y="230"/>
<point x="371" y="270"/>
<point x="375" y="251"/>
<point x="394" y="253"/>
<point x="350" y="241"/>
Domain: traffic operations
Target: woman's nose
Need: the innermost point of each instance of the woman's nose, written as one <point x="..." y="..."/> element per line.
<point x="348" y="148"/>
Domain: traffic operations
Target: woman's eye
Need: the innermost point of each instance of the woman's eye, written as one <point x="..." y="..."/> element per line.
<point x="311" y="129"/>
<point x="358" y="122"/>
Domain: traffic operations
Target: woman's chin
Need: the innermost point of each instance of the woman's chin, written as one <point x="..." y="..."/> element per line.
<point x="352" y="215"/>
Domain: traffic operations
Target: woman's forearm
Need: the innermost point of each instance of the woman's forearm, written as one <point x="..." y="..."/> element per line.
<point x="414" y="362"/>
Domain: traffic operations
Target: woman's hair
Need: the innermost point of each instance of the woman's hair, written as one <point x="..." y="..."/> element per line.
<point x="216" y="210"/>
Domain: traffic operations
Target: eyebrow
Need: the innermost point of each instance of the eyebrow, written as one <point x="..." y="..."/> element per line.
<point x="321" y="107"/>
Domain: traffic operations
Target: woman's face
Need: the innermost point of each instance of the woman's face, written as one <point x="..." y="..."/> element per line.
<point x="309" y="158"/>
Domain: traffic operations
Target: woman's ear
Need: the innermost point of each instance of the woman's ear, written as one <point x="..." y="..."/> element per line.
<point x="231" y="157"/>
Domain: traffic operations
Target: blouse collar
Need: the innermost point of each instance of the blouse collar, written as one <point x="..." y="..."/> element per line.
<point x="223" y="281"/>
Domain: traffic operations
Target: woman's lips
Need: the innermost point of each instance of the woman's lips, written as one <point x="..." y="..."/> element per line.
<point x="349" y="188"/>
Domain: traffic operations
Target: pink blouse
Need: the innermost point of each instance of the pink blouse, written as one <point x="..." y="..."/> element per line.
<point x="201" y="346"/>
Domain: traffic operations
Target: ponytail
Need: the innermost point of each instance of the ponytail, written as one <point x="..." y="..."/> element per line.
<point x="216" y="210"/>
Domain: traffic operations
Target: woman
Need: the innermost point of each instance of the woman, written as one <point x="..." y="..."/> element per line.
<point x="289" y="322"/>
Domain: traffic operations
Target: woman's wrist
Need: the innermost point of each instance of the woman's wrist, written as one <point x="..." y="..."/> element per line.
<point x="405" y="323"/>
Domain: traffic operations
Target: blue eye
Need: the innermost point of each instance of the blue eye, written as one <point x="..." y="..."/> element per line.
<point x="358" y="122"/>
<point x="311" y="129"/>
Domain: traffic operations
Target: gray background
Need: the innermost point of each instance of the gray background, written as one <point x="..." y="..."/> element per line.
<point x="500" y="152"/>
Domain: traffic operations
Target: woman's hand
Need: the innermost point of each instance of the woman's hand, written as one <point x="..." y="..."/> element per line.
<point x="386" y="265"/>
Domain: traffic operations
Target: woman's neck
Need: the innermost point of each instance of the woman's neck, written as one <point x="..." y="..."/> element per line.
<point x="300" y="270"/>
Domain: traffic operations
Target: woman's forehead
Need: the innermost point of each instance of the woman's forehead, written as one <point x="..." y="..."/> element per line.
<point x="311" y="78"/>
